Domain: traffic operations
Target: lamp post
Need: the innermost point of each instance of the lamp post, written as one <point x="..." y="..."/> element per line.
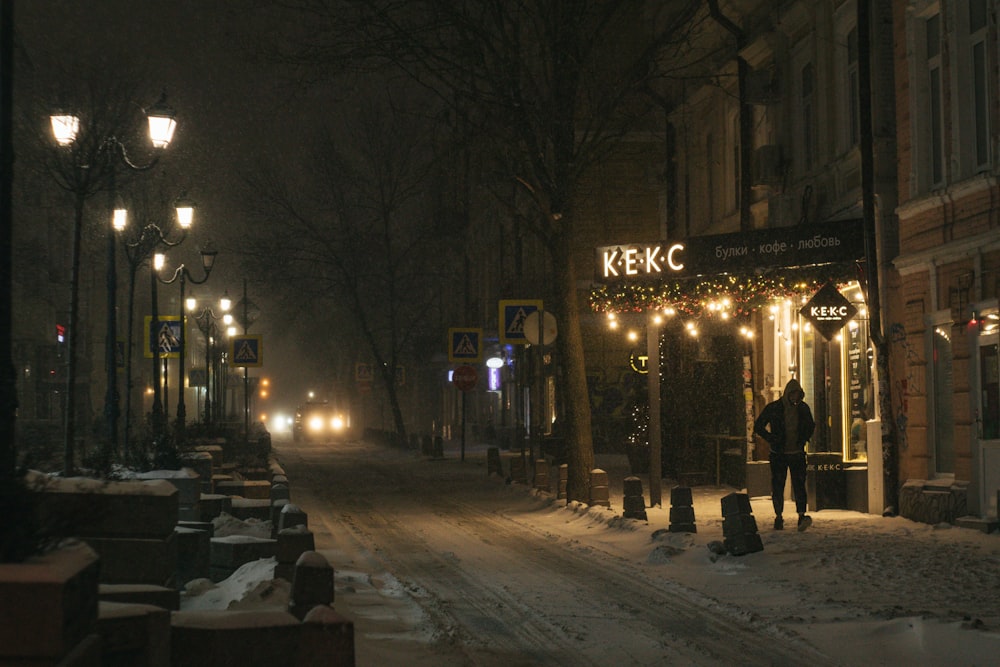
<point x="182" y="274"/>
<point x="206" y="324"/>
<point x="94" y="164"/>
<point x="138" y="250"/>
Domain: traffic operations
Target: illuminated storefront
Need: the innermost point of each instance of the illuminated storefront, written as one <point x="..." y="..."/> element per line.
<point x="762" y="290"/>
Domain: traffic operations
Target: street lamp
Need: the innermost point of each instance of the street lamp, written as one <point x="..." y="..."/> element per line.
<point x="206" y="324"/>
<point x="94" y="163"/>
<point x="182" y="274"/>
<point x="138" y="251"/>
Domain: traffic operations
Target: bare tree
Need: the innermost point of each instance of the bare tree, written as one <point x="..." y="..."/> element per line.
<point x="554" y="85"/>
<point x="354" y="230"/>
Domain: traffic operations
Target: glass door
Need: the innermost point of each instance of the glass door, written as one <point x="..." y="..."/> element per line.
<point x="988" y="372"/>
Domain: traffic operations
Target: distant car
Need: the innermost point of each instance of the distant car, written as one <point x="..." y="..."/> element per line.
<point x="319" y="421"/>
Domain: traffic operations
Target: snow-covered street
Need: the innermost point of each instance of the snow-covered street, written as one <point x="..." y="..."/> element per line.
<point x="438" y="563"/>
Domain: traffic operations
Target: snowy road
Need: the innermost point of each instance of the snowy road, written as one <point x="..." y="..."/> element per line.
<point x="438" y="564"/>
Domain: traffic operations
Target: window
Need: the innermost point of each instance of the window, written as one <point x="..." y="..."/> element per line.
<point x="935" y="99"/>
<point x="942" y="397"/>
<point x="857" y="378"/>
<point x="979" y="88"/>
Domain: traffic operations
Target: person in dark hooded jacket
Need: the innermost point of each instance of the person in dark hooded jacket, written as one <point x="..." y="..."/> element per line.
<point x="787" y="424"/>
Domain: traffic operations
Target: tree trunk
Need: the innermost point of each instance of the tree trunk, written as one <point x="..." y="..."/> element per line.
<point x="569" y="343"/>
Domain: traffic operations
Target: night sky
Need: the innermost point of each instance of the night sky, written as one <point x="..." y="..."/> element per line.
<point x="234" y="114"/>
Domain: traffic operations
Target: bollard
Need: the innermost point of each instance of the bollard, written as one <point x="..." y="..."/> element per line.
<point x="633" y="502"/>
<point x="518" y="473"/>
<point x="681" y="510"/>
<point x="563" y="481"/>
<point x="542" y="475"/>
<point x="312" y="584"/>
<point x="291" y="515"/>
<point x="493" y="466"/>
<point x="739" y="528"/>
<point x="599" y="493"/>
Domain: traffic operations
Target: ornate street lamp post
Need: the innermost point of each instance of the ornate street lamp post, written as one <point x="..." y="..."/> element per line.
<point x="88" y="170"/>
<point x="206" y="324"/>
<point x="139" y="250"/>
<point x="183" y="275"/>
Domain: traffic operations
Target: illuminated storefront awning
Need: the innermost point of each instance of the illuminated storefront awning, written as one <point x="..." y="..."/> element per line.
<point x="746" y="270"/>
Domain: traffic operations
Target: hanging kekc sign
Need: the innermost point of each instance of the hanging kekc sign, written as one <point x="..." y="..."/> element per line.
<point x="828" y="311"/>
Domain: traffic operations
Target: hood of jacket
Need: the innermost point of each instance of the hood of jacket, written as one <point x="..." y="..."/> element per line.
<point x="792" y="388"/>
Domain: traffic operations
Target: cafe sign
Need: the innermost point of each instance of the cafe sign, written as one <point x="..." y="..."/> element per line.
<point x="828" y="311"/>
<point x="743" y="252"/>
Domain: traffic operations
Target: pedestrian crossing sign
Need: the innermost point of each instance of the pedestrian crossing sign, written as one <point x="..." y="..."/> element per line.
<point x="513" y="313"/>
<point x="166" y="333"/>
<point x="465" y="345"/>
<point x="246" y="351"/>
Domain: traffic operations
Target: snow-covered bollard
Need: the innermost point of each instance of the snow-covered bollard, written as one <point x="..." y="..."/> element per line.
<point x="682" y="510"/>
<point x="312" y="584"/>
<point x="633" y="500"/>
<point x="739" y="528"/>
<point x="542" y="475"/>
<point x="292" y="515"/>
<point x="599" y="492"/>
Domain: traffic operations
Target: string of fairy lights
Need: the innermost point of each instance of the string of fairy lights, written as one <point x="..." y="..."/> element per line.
<point x="723" y="297"/>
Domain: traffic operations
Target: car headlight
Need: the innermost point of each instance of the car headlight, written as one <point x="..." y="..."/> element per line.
<point x="337" y="423"/>
<point x="316" y="423"/>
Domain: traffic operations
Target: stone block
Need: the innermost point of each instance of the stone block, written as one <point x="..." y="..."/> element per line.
<point x="682" y="515"/>
<point x="235" y="550"/>
<point x="327" y="639"/>
<point x="737" y="524"/>
<point x="736" y="503"/>
<point x="245" y="488"/>
<point x="292" y="515"/>
<point x="256" y="474"/>
<point x="280" y="491"/>
<point x="86" y="507"/>
<point x="740" y="545"/>
<point x="134" y="634"/>
<point x="127" y="560"/>
<point x="246" y="508"/>
<point x="213" y="505"/>
<point x="276" y="507"/>
<point x="215" y="451"/>
<point x="293" y="542"/>
<point x="186" y="481"/>
<point x="193" y="551"/>
<point x="214" y="638"/>
<point x="632" y="486"/>
<point x="48" y="605"/>
<point x="160" y="596"/>
<point x="218" y="477"/>
<point x="312" y="584"/>
<point x="680" y="496"/>
<point x="201" y="463"/>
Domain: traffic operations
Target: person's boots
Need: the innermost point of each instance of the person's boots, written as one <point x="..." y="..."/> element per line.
<point x="779" y="523"/>
<point x="804" y="522"/>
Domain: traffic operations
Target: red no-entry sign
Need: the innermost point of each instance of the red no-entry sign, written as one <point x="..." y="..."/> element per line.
<point x="465" y="377"/>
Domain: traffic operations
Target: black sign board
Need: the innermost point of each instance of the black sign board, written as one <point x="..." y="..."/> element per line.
<point x="828" y="311"/>
<point x="743" y="252"/>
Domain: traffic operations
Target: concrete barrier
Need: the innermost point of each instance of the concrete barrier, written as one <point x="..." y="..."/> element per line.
<point x="214" y="638"/>
<point x="49" y="608"/>
<point x="137" y="635"/>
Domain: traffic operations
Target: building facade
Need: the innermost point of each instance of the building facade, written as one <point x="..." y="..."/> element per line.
<point x="946" y="59"/>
